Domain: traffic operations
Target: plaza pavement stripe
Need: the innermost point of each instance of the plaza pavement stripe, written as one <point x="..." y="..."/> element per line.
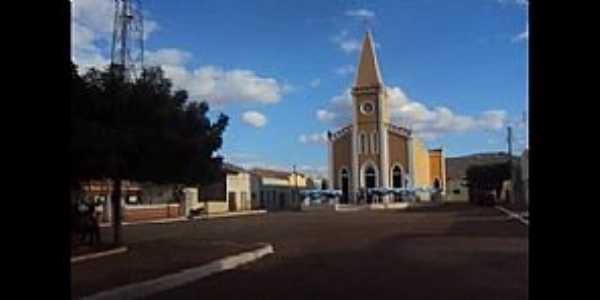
<point x="512" y="215"/>
<point x="146" y="288"/>
<point x="98" y="254"/>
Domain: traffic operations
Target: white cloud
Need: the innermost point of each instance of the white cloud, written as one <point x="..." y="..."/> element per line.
<point x="314" y="138"/>
<point x="325" y="116"/>
<point x="523" y="36"/>
<point x="345" y="70"/>
<point x="428" y="123"/>
<point x="95" y="15"/>
<point x="167" y="56"/>
<point x="92" y="23"/>
<point x="216" y="85"/>
<point x="315" y="82"/>
<point x="523" y="3"/>
<point x="360" y="13"/>
<point x="150" y="26"/>
<point x="347" y="44"/>
<point x="254" y="118"/>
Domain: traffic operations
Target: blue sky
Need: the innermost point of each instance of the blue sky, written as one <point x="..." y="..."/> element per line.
<point x="458" y="68"/>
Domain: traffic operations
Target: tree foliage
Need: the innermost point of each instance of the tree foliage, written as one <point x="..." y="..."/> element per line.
<point x="141" y="130"/>
<point x="487" y="177"/>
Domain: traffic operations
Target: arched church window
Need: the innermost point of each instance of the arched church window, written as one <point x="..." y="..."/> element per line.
<point x="374" y="142"/>
<point x="363" y="143"/>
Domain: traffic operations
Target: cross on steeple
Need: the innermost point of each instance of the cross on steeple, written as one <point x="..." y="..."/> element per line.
<point x="366" y="23"/>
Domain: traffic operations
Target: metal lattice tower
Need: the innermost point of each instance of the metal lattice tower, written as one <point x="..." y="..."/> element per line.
<point x="127" y="50"/>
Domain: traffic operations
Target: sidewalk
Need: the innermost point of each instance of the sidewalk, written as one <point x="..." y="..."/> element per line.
<point x="201" y="217"/>
<point x="147" y="261"/>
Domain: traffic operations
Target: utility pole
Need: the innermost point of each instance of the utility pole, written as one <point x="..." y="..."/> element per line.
<point x="127" y="54"/>
<point x="510" y="164"/>
<point x="526" y="125"/>
<point x="295" y="183"/>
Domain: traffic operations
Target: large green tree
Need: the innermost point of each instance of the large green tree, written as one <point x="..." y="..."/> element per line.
<point x="487" y="177"/>
<point x="140" y="130"/>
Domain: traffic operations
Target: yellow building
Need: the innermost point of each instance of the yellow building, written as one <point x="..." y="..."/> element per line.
<point x="372" y="151"/>
<point x="279" y="189"/>
<point x="233" y="191"/>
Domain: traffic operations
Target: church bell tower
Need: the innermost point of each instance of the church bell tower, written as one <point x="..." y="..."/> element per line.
<point x="370" y="118"/>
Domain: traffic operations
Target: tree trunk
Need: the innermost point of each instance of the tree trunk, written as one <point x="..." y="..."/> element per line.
<point x="116" y="206"/>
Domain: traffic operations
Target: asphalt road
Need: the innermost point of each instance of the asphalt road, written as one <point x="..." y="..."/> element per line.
<point x="457" y="251"/>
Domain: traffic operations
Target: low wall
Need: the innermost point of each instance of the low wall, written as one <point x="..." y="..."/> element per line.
<point x="214" y="207"/>
<point x="325" y="207"/>
<point x="393" y="205"/>
<point x="349" y="207"/>
<point x="427" y="204"/>
<point x="151" y="212"/>
<point x="423" y="196"/>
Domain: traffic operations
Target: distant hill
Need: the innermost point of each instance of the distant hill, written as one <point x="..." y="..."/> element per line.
<point x="456" y="167"/>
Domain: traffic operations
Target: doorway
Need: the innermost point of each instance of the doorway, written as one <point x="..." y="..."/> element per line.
<point x="436" y="184"/>
<point x="345" y="187"/>
<point x="232" y="202"/>
<point x="370" y="182"/>
<point x="397" y="181"/>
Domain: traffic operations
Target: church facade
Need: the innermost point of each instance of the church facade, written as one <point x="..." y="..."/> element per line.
<point x="372" y="152"/>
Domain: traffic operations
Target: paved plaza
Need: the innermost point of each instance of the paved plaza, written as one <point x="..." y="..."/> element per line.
<point x="456" y="251"/>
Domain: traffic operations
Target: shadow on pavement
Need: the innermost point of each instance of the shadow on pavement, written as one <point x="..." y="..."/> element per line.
<point x="398" y="267"/>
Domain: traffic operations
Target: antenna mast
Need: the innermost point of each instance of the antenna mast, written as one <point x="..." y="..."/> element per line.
<point x="127" y="52"/>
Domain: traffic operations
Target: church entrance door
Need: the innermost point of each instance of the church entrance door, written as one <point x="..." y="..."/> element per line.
<point x="397" y="180"/>
<point x="369" y="182"/>
<point x="345" y="183"/>
<point x="345" y="190"/>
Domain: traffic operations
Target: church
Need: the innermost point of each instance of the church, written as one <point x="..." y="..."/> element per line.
<point x="373" y="152"/>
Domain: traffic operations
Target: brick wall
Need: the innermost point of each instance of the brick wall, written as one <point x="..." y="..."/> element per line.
<point x="136" y="214"/>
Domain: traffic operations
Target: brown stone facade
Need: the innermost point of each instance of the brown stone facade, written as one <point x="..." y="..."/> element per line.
<point x="342" y="158"/>
<point x="398" y="152"/>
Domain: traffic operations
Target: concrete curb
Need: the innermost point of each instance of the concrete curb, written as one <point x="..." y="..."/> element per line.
<point x="183" y="219"/>
<point x="146" y="288"/>
<point x="158" y="221"/>
<point x="98" y="254"/>
<point x="388" y="206"/>
<point x="231" y="214"/>
<point x="426" y="204"/>
<point x="512" y="214"/>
